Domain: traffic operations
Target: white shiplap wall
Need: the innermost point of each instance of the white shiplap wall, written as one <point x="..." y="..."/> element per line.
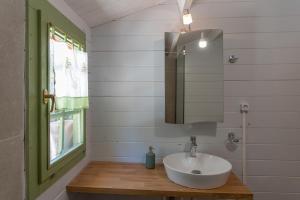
<point x="127" y="89"/>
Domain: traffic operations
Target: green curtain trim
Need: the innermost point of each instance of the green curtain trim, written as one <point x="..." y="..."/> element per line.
<point x="72" y="103"/>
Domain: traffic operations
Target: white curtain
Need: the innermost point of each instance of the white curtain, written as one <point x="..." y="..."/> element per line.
<point x="69" y="82"/>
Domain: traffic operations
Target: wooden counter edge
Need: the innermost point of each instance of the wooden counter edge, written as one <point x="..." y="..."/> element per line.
<point x="139" y="192"/>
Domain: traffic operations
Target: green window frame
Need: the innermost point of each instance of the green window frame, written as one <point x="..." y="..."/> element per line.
<point x="40" y="173"/>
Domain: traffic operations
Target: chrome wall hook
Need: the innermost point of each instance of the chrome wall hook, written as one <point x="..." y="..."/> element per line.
<point x="232" y="138"/>
<point x="233" y="59"/>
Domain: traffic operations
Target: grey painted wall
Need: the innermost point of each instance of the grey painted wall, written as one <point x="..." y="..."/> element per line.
<point x="127" y="89"/>
<point x="12" y="62"/>
<point x="12" y="101"/>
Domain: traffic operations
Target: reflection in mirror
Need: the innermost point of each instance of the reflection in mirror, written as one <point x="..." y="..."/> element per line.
<point x="194" y="77"/>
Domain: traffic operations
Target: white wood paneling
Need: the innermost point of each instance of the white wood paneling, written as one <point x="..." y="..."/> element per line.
<point x="258" y="8"/>
<point x="155" y="42"/>
<point x="137" y="58"/>
<point x="273" y="152"/>
<point x="130" y="74"/>
<point x="284" y="186"/>
<point x="262" y="183"/>
<point x="148" y="119"/>
<point x="262" y="72"/>
<point x="284" y="136"/>
<point x="138" y="149"/>
<point x="265" y="104"/>
<point x="127" y="89"/>
<point x="229" y="25"/>
<point x="161" y="134"/>
<point x="128" y="43"/>
<point x="289" y="196"/>
<point x="139" y="119"/>
<point x="114" y="104"/>
<point x="265" y="56"/>
<point x="261" y="88"/>
<point x="262" y="40"/>
<point x="273" y="168"/>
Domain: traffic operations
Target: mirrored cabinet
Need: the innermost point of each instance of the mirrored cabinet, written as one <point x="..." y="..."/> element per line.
<point x="194" y="77"/>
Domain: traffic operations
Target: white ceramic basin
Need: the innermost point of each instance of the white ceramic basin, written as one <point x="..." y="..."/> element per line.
<point x="202" y="172"/>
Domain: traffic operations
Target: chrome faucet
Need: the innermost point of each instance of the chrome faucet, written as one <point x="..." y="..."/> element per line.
<point x="193" y="147"/>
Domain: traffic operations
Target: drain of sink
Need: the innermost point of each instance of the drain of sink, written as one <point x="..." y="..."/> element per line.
<point x="195" y="171"/>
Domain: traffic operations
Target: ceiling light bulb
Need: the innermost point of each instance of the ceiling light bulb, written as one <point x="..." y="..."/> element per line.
<point x="187" y="19"/>
<point x="202" y="43"/>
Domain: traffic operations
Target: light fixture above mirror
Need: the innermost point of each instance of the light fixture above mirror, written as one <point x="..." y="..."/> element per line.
<point x="187" y="17"/>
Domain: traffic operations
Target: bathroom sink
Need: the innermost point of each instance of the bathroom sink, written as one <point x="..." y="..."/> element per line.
<point x="204" y="171"/>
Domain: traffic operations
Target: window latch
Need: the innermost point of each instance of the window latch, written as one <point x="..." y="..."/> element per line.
<point x="46" y="97"/>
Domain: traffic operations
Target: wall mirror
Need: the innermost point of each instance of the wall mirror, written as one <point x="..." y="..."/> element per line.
<point x="194" y="77"/>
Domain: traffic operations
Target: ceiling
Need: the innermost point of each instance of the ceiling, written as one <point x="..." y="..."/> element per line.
<point x="97" y="12"/>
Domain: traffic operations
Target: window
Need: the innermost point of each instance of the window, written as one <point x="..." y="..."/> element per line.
<point x="65" y="133"/>
<point x="57" y="96"/>
<point x="67" y="76"/>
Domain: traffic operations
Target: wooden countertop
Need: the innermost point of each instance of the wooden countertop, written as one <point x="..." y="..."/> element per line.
<point x="134" y="179"/>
